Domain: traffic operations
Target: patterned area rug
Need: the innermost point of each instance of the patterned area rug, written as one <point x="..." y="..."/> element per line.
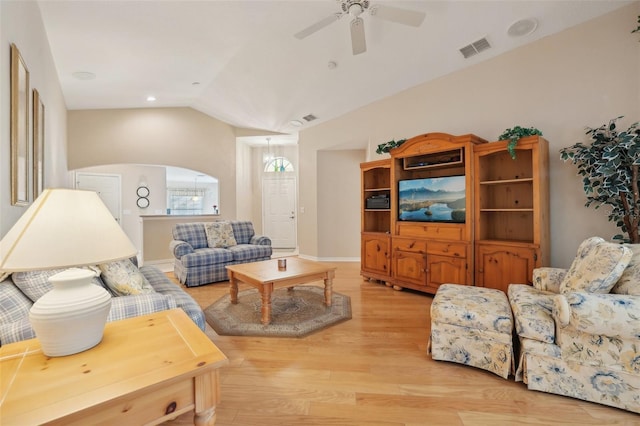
<point x="295" y="313"/>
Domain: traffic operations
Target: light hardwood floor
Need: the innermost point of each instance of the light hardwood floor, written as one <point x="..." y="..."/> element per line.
<point x="374" y="370"/>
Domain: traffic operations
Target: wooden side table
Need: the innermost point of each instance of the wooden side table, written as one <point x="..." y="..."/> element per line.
<point x="146" y="370"/>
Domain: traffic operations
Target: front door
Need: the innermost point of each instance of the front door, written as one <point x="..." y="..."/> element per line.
<point x="108" y="189"/>
<point x="279" y="211"/>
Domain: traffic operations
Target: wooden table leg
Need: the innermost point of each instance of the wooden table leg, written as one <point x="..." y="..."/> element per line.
<point x="207" y="395"/>
<point x="233" y="288"/>
<point x="267" y="289"/>
<point x="328" y="288"/>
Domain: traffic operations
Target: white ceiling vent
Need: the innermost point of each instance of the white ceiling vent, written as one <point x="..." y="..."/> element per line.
<point x="475" y="48"/>
<point x="309" y="117"/>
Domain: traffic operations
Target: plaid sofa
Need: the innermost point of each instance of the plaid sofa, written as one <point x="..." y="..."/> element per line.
<point x="15" y="303"/>
<point x="197" y="264"/>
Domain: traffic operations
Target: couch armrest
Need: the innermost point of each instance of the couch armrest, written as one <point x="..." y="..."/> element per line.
<point x="260" y="240"/>
<point x="612" y="315"/>
<point x="179" y="248"/>
<point x="548" y="279"/>
<point x="140" y="304"/>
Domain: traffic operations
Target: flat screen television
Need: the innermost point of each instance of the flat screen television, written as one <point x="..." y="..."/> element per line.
<point x="440" y="199"/>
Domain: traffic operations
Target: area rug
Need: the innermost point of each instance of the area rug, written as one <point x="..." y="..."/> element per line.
<point x="295" y="313"/>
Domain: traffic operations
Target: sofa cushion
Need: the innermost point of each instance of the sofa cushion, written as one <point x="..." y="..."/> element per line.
<point x="472" y="307"/>
<point x="34" y="284"/>
<point x="206" y="256"/>
<point x="250" y="252"/>
<point x="124" y="279"/>
<point x="219" y="234"/>
<point x="13" y="303"/>
<point x="163" y="285"/>
<point x="192" y="233"/>
<point x="532" y="311"/>
<point x="243" y="231"/>
<point x="629" y="282"/>
<point x="597" y="266"/>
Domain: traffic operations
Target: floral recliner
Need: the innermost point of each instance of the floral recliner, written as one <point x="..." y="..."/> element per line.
<point x="579" y="329"/>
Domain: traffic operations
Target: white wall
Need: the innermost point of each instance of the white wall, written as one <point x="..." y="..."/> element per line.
<point x="580" y="77"/>
<point x="21" y="23"/>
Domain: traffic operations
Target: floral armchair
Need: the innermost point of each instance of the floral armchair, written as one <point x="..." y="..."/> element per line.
<point x="579" y="329"/>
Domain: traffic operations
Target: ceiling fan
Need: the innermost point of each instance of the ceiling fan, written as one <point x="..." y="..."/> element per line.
<point x="355" y="8"/>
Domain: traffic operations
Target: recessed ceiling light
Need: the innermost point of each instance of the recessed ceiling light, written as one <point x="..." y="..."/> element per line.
<point x="522" y="27"/>
<point x="332" y="65"/>
<point x="151" y="98"/>
<point x="84" y="75"/>
<point x="296" y="123"/>
<point x="195" y="83"/>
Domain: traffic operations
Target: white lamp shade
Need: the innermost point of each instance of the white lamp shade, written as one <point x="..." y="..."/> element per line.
<point x="64" y="228"/>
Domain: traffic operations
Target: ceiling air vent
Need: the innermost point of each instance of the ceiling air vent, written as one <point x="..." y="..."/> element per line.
<point x="309" y="117"/>
<point x="475" y="48"/>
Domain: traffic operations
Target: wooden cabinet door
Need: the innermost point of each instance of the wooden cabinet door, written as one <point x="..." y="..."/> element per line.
<point x="446" y="269"/>
<point x="410" y="267"/>
<point x="375" y="254"/>
<point x="498" y="266"/>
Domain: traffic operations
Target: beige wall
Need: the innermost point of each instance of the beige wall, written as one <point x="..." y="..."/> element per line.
<point x="21" y="23"/>
<point x="335" y="168"/>
<point x="180" y="137"/>
<point x="581" y="77"/>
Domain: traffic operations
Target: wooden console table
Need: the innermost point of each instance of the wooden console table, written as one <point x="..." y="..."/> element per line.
<point x="146" y="370"/>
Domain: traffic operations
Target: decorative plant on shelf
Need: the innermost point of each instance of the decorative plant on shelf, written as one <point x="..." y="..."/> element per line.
<point x="514" y="135"/>
<point x="388" y="146"/>
<point x="609" y="167"/>
<point x="637" y="30"/>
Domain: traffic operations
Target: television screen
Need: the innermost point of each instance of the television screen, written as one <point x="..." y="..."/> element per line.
<point x="440" y="199"/>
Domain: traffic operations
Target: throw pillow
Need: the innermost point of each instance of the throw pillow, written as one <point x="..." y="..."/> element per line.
<point x="34" y="284"/>
<point x="629" y="282"/>
<point x="219" y="234"/>
<point x="124" y="279"/>
<point x="597" y="267"/>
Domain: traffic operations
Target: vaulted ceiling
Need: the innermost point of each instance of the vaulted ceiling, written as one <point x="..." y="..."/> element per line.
<point x="238" y="61"/>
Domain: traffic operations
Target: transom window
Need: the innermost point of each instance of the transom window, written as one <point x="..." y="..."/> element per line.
<point x="277" y="165"/>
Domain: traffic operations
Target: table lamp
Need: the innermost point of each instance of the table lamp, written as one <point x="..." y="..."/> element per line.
<point x="66" y="228"/>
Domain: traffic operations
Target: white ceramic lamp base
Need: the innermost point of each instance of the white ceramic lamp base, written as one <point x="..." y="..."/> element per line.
<point x="71" y="317"/>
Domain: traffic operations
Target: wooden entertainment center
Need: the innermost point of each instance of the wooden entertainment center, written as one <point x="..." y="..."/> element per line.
<point x="497" y="239"/>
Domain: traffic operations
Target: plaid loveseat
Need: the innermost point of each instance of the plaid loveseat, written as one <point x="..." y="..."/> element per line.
<point x="16" y="301"/>
<point x="197" y="264"/>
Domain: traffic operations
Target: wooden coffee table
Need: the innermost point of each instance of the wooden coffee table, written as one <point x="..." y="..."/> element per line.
<point x="146" y="370"/>
<point x="266" y="277"/>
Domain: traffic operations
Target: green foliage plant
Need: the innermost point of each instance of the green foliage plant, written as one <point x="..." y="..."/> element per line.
<point x="388" y="146"/>
<point x="609" y="167"/>
<point x="637" y="30"/>
<point x="514" y="134"/>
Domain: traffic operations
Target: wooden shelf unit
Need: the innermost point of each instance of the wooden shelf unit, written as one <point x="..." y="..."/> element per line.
<point x="506" y="230"/>
<point x="417" y="254"/>
<point x="512" y="212"/>
<point x="375" y="223"/>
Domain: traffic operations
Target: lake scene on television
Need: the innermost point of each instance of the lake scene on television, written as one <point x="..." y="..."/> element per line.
<point x="432" y="199"/>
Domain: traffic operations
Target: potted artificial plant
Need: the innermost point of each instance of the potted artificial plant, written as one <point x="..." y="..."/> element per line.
<point x="610" y="170"/>
<point x="514" y="134"/>
<point x="388" y="146"/>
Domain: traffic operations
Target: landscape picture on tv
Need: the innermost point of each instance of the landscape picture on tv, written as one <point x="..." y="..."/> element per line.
<point x="440" y="199"/>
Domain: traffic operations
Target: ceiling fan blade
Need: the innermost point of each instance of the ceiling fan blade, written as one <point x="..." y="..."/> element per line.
<point x="413" y="18"/>
<point x="318" y="26"/>
<point x="358" y="42"/>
